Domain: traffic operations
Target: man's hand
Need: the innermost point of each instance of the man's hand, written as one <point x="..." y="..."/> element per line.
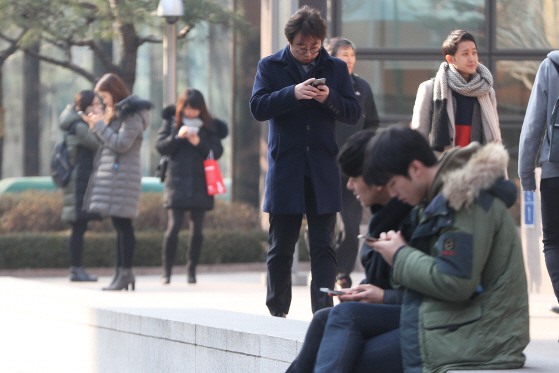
<point x="388" y="244"/>
<point x="305" y="91"/>
<point x="365" y="293"/>
<point x="323" y="92"/>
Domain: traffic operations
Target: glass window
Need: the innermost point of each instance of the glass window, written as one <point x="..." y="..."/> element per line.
<point x="513" y="84"/>
<point x="410" y="23"/>
<point x="520" y="26"/>
<point x="394" y="82"/>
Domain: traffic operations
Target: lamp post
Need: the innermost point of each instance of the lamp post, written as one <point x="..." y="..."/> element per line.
<point x="171" y="10"/>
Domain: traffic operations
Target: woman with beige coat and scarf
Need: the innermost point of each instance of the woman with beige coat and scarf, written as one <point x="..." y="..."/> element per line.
<point x="115" y="186"/>
<point x="458" y="106"/>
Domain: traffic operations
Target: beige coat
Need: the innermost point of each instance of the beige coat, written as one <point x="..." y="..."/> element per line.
<point x="115" y="186"/>
<point x="423" y="111"/>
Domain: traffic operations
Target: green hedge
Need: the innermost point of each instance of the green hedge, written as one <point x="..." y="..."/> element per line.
<point x="50" y="249"/>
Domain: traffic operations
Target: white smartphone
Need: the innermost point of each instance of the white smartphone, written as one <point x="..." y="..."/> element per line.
<point x="192" y="130"/>
<point x="367" y="238"/>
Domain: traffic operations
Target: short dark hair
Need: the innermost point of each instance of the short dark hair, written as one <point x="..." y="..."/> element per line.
<point x="450" y="45"/>
<point x="83" y="99"/>
<point x="352" y="152"/>
<point x="391" y="152"/>
<point x="335" y="43"/>
<point x="308" y="22"/>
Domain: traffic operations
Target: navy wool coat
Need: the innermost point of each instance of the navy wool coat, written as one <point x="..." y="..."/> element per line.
<point x="302" y="131"/>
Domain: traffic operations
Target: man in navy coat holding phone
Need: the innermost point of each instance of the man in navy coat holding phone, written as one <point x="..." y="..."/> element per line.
<point x="303" y="176"/>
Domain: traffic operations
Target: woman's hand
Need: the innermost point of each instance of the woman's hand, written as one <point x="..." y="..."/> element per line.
<point x="92" y="118"/>
<point x="191" y="136"/>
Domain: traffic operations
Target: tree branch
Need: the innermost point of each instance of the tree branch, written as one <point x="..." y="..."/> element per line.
<point x="66" y="64"/>
<point x="182" y="33"/>
<point x="149" y="39"/>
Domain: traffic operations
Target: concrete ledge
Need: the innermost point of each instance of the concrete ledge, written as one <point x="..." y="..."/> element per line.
<point x="58" y="329"/>
<point x="51" y="328"/>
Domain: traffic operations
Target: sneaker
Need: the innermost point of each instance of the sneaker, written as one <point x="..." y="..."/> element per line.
<point x="79" y="274"/>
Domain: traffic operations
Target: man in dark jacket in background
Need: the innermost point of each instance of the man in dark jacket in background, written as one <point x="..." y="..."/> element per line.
<point x="348" y="245"/>
<point x="303" y="176"/>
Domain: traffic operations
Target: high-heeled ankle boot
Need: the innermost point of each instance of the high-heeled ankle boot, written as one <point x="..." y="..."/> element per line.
<point x="125" y="278"/>
<point x="113" y="279"/>
<point x="79" y="274"/>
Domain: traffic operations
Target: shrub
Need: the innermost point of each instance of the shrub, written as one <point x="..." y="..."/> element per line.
<point x="50" y="249"/>
<point x="40" y="211"/>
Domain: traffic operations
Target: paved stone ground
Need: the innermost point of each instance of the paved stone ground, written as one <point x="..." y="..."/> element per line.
<point x="240" y="288"/>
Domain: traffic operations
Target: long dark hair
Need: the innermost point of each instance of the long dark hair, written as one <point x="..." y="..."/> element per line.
<point x="83" y="99"/>
<point x="193" y="98"/>
<point x="113" y="84"/>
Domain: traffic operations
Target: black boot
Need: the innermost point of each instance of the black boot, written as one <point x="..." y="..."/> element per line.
<point x="79" y="274"/>
<point x="166" y="276"/>
<point x="191" y="275"/>
<point x="125" y="278"/>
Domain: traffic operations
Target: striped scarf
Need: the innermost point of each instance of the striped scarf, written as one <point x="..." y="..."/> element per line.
<point x="479" y="86"/>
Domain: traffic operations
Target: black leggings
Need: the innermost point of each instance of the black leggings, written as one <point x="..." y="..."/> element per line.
<point x="170" y="241"/>
<point x="75" y="243"/>
<point x="125" y="241"/>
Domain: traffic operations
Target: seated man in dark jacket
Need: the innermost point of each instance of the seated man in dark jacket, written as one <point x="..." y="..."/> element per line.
<point x="388" y="214"/>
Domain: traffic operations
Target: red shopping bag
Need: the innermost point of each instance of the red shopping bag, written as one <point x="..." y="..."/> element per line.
<point x="214" y="180"/>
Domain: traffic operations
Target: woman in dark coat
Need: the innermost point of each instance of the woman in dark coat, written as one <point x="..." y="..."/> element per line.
<point x="187" y="136"/>
<point x="81" y="145"/>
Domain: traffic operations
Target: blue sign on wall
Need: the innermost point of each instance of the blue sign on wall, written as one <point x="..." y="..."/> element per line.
<point x="529" y="209"/>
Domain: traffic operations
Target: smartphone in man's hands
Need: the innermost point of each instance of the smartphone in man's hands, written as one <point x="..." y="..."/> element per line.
<point x="317" y="82"/>
<point x="367" y="238"/>
<point x="334" y="292"/>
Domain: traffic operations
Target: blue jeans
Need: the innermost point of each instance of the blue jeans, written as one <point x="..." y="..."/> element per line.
<point x="352" y="337"/>
<point x="550" y="217"/>
<point x="361" y="337"/>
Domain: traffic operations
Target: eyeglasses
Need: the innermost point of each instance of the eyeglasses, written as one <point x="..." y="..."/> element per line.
<point x="302" y="52"/>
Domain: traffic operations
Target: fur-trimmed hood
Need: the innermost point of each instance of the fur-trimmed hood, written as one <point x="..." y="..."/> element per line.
<point x="465" y="172"/>
<point x="130" y="105"/>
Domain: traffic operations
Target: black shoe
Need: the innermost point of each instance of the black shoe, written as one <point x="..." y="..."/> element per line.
<point x="554" y="309"/>
<point x="165" y="280"/>
<point x="278" y="314"/>
<point x="79" y="274"/>
<point x="191" y="279"/>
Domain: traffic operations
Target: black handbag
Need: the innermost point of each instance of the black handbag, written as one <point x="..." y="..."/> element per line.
<point x="162" y="168"/>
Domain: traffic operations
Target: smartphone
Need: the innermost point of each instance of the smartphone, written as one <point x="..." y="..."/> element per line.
<point x="367" y="238"/>
<point x="192" y="130"/>
<point x="317" y="82"/>
<point x="335" y="292"/>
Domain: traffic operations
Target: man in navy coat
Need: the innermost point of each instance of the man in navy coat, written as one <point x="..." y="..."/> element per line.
<point x="303" y="176"/>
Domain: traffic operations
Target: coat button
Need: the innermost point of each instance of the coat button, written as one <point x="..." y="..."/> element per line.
<point x="308" y="148"/>
<point x="309" y="127"/>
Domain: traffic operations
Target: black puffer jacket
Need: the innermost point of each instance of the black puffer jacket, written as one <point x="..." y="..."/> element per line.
<point x="185" y="180"/>
<point x="82" y="145"/>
